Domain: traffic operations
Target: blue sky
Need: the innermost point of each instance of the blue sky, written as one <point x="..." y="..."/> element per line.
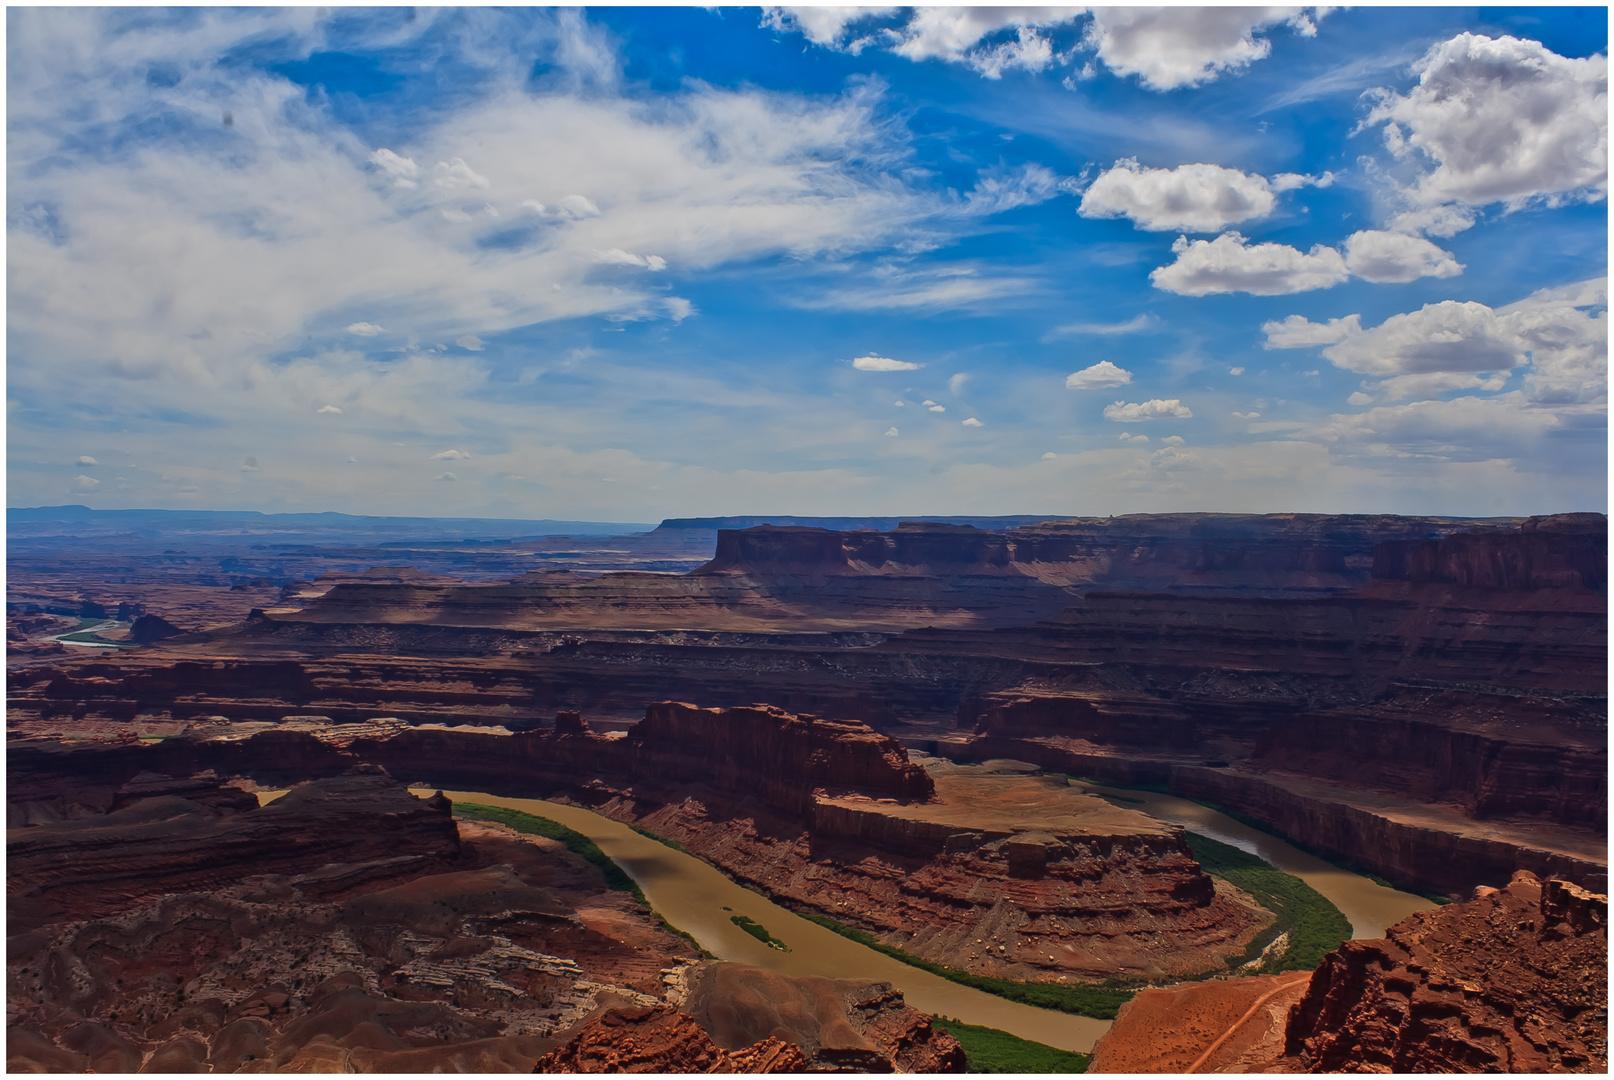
<point x="621" y="264"/>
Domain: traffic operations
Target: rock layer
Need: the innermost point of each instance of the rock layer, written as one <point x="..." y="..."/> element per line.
<point x="1514" y="980"/>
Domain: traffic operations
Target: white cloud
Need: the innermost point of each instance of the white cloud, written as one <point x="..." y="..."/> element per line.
<point x="1297" y="332"/>
<point x="579" y="207"/>
<point x="1050" y="456"/>
<point x="1230" y="264"/>
<point x="1174" y="440"/>
<point x="403" y="170"/>
<point x="955" y="385"/>
<point x="1128" y="437"/>
<point x="1235" y="371"/>
<point x="1153" y="409"/>
<point x="1145" y="321"/>
<point x="1291" y="181"/>
<point x="455" y="175"/>
<point x="1247" y="416"/>
<point x="824" y="26"/>
<point x="1561" y="334"/>
<point x="1192" y="198"/>
<point x="469" y="342"/>
<point x="938" y="408"/>
<point x="1462" y="429"/>
<point x="884" y="363"/>
<point x="445" y="476"/>
<point x="1396" y="257"/>
<point x="1173" y="47"/>
<point x="972" y="422"/>
<point x="1502" y="120"/>
<point x="1423" y="387"/>
<point x="451" y="455"/>
<point x="618" y="257"/>
<point x="87" y="460"/>
<point x="331" y="410"/>
<point x="892" y="432"/>
<point x="1100" y="375"/>
<point x="365" y="329"/>
<point x="86" y="482"/>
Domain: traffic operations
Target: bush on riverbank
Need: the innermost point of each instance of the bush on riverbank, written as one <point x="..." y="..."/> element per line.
<point x="1100" y="1002"/>
<point x="988" y="1050"/>
<point x="1314" y="925"/>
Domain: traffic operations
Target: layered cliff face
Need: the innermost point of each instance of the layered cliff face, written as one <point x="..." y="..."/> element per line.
<point x="1514" y="980"/>
<point x="193" y="840"/>
<point x="363" y="933"/>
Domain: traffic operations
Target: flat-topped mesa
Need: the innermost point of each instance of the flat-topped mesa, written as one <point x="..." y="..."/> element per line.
<point x="782" y="551"/>
<point x="767" y="752"/>
<point x="1561" y="551"/>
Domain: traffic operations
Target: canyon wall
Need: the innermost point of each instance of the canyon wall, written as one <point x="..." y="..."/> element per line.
<point x="1514" y="980"/>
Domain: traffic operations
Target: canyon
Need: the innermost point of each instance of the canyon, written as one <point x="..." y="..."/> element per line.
<point x="833" y="716"/>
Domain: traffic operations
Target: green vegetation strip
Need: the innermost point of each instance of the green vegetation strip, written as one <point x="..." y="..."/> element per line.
<point x="758" y="931"/>
<point x="1101" y="1002"/>
<point x="658" y="838"/>
<point x="577" y="844"/>
<point x="1315" y="926"/>
<point x="988" y="1050"/>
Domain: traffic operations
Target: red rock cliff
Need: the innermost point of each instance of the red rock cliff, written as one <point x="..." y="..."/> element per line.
<point x="1515" y="980"/>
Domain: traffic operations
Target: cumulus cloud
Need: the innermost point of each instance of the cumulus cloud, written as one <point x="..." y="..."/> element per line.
<point x="403" y="171"/>
<point x="1174" y="47"/>
<point x="1174" y="440"/>
<point x="451" y="455"/>
<point x="972" y="422"/>
<point x="1235" y="371"/>
<point x="469" y="342"/>
<point x="1192" y="198"/>
<point x="455" y="175"/>
<point x="445" y="476"/>
<point x="1379" y="256"/>
<point x="1231" y="264"/>
<point x="892" y="432"/>
<point x="884" y="363"/>
<point x="1561" y="334"/>
<point x="86" y="482"/>
<point x="938" y="408"/>
<point x="1298" y="332"/>
<point x="1128" y="437"/>
<point x="87" y="460"/>
<point x="1100" y="375"/>
<point x="365" y="329"/>
<point x="1153" y="409"/>
<point x="331" y="410"/>
<point x="1421" y="387"/>
<point x="1501" y="120"/>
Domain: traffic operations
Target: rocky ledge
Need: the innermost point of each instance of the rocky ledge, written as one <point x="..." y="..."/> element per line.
<point x="1515" y="980"/>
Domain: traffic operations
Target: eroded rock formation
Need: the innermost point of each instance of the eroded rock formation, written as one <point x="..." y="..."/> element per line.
<point x="1514" y="980"/>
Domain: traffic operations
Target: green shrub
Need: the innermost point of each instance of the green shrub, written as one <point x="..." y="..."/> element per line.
<point x="1315" y="926"/>
<point x="758" y="931"/>
<point x="577" y="844"/>
<point x="1101" y="1002"/>
<point x="988" y="1050"/>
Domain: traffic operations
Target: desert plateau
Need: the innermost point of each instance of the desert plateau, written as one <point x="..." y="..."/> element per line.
<point x="1026" y="827"/>
<point x="807" y="539"/>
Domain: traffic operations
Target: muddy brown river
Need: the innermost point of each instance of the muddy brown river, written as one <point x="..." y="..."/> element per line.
<point x="699" y="899"/>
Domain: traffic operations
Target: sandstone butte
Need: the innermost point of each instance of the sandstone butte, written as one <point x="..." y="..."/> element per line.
<point x="348" y="926"/>
<point x="1514" y="980"/>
